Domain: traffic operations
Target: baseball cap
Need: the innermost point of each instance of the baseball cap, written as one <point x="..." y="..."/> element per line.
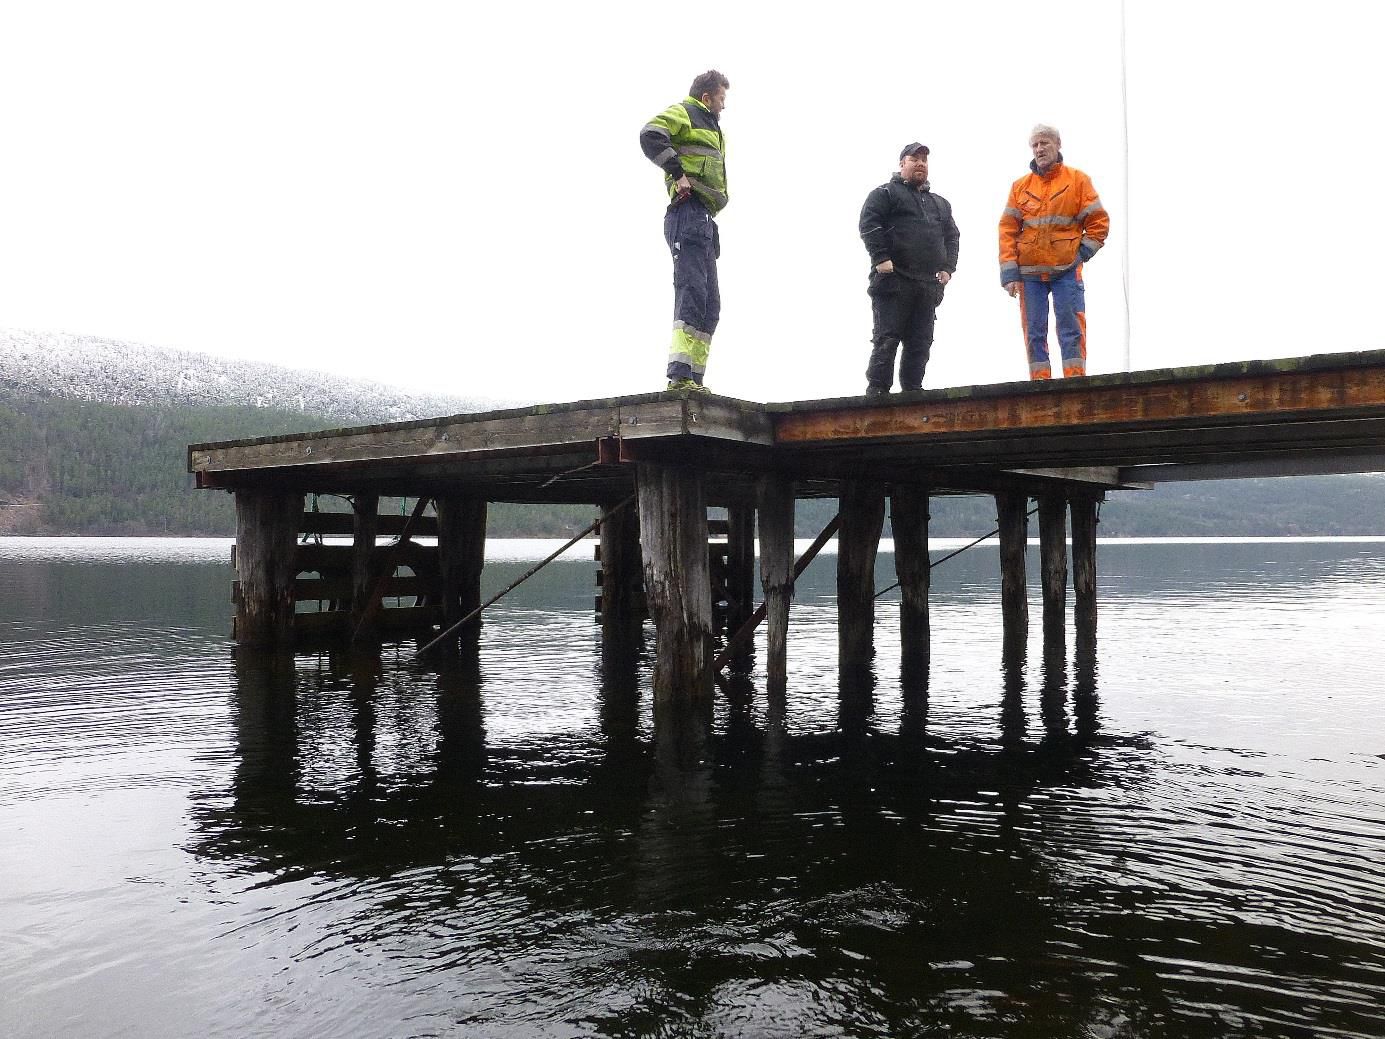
<point x="913" y="149"/>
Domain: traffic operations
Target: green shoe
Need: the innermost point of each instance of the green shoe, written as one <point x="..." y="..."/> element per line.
<point x="686" y="384"/>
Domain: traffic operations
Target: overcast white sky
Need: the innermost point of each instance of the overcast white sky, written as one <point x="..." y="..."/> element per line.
<point x="453" y="198"/>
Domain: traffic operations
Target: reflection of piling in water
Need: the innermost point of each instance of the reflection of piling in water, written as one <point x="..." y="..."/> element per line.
<point x="266" y="719"/>
<point x="461" y="753"/>
<point x="1012" y="720"/>
<point x="1053" y="696"/>
<point x="619" y="682"/>
<point x="363" y="672"/>
<point x="1085" y="703"/>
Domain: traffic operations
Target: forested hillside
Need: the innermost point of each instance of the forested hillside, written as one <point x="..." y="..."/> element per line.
<point x="79" y="467"/>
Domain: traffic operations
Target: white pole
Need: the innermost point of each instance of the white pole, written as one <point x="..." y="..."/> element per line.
<point x="1125" y="203"/>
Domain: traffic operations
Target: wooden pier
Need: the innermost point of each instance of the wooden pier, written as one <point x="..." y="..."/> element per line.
<point x="1062" y="445"/>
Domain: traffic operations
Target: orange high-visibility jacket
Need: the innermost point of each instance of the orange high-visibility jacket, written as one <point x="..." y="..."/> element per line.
<point x="1052" y="222"/>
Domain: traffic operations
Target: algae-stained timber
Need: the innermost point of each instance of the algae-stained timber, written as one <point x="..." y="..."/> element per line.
<point x="909" y="522"/>
<point x="1084" y="519"/>
<point x="461" y="557"/>
<point x="677" y="580"/>
<point x="266" y="536"/>
<point x="622" y="575"/>
<point x="1012" y="511"/>
<point x="1053" y="566"/>
<point x="776" y="509"/>
<point x="863" y="518"/>
<point x="365" y="518"/>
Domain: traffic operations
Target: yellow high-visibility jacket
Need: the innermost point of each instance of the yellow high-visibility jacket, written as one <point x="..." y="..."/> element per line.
<point x="686" y="139"/>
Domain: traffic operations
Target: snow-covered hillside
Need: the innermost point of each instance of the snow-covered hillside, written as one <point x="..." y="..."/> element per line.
<point x="114" y="372"/>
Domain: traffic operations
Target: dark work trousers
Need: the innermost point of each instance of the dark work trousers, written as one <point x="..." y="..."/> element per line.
<point x="693" y="240"/>
<point x="903" y="310"/>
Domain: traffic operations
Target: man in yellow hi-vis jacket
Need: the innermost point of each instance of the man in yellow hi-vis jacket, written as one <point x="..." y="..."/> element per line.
<point x="686" y="142"/>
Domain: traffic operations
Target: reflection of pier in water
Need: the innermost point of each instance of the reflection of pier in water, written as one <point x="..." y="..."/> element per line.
<point x="629" y="847"/>
<point x="312" y="789"/>
<point x="1062" y="445"/>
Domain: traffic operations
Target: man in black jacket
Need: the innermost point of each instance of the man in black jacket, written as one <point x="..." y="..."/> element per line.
<point x="912" y="240"/>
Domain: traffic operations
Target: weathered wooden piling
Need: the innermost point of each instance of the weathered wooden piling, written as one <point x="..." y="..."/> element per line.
<point x="1012" y="510"/>
<point x="673" y="528"/>
<point x="740" y="565"/>
<point x="909" y="521"/>
<point x="365" y="508"/>
<point x="776" y="508"/>
<point x="858" y="541"/>
<point x="461" y="557"/>
<point x="266" y="542"/>
<point x="1084" y="512"/>
<point x="622" y="574"/>
<point x="1053" y="564"/>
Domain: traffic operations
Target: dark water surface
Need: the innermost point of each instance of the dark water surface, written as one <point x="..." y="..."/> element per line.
<point x="1188" y="840"/>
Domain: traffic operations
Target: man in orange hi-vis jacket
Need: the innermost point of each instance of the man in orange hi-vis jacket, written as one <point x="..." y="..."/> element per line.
<point x="1052" y="224"/>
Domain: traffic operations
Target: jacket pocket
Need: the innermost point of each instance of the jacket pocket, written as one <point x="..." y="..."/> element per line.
<point x="882" y="284"/>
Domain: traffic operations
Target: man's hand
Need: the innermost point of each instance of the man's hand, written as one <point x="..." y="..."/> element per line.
<point x="943" y="277"/>
<point x="884" y="267"/>
<point x="1013" y="288"/>
<point x="684" y="186"/>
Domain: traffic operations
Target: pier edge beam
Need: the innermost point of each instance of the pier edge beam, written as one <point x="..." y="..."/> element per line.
<point x="863" y="519"/>
<point x="1012" y="518"/>
<point x="1084" y="572"/>
<point x="622" y="573"/>
<point x="461" y="557"/>
<point x="673" y="532"/>
<point x="266" y="548"/>
<point x="1053" y="561"/>
<point x="776" y="507"/>
<point x="909" y="521"/>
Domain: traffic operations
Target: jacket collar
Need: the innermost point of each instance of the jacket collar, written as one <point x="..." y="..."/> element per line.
<point x="1034" y="166"/>
<point x="898" y="178"/>
<point x="690" y="100"/>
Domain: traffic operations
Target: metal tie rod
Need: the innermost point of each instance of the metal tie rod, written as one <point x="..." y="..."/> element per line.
<point x="528" y="574"/>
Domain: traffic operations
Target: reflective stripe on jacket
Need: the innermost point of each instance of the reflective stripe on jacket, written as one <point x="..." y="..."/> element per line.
<point x="1052" y="222"/>
<point x="686" y="138"/>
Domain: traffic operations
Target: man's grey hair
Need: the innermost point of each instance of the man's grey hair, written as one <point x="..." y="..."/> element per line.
<point x="1044" y="130"/>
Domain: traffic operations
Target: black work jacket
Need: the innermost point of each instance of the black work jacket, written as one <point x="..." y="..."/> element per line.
<point x="912" y="227"/>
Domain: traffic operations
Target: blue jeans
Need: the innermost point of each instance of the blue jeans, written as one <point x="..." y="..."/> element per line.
<point x="1069" y="314"/>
